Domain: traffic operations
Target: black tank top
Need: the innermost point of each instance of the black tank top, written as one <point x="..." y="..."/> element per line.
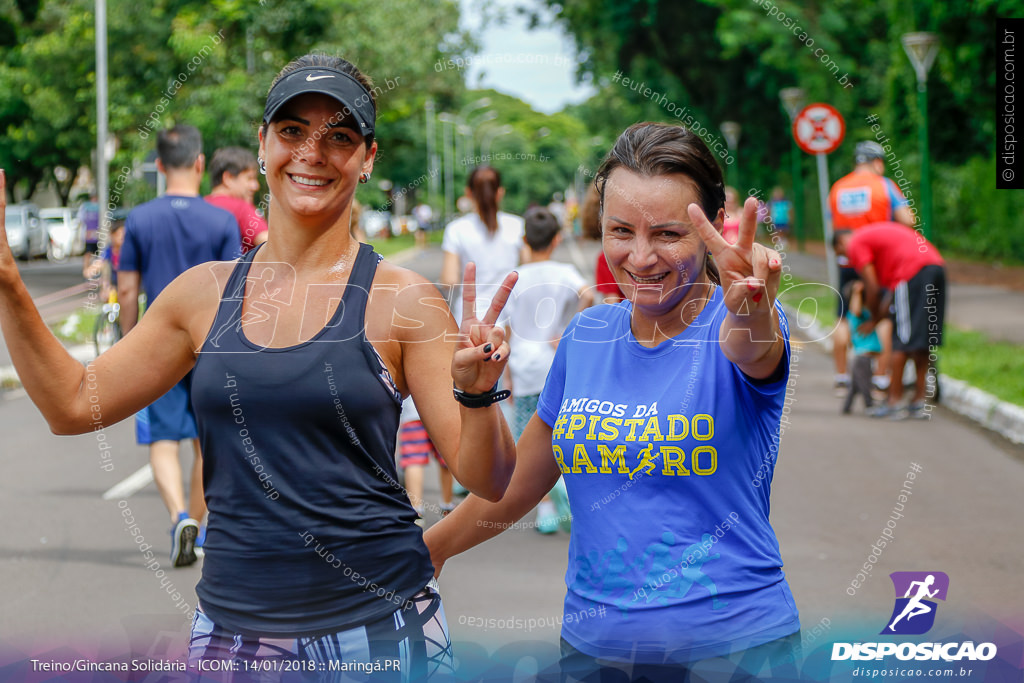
<point x="309" y="531"/>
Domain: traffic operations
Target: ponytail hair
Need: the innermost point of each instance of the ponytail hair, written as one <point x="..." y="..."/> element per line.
<point x="483" y="183"/>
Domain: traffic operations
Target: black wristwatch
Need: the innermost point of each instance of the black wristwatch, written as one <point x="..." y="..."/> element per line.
<point x="480" y="400"/>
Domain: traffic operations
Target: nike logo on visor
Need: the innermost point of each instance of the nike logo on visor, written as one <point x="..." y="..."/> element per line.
<point x="311" y="77"/>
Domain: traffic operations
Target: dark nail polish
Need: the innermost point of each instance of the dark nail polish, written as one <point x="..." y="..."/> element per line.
<point x="487" y="348"/>
<point x="497" y="356"/>
<point x="487" y="359"/>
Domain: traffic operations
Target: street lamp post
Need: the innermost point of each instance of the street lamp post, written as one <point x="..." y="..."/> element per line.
<point x="731" y="131"/>
<point x="793" y="101"/>
<point x="102" y="168"/>
<point x="449" y="172"/>
<point x="431" y="154"/>
<point x="464" y="131"/>
<point x="922" y="48"/>
<point x="489" y="136"/>
<point x="472" y="126"/>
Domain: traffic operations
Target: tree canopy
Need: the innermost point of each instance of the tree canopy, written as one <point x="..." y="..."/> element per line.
<point x="728" y="60"/>
<point x="174" y="61"/>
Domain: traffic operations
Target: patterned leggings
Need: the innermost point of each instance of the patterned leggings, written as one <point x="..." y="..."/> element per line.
<point x="406" y="646"/>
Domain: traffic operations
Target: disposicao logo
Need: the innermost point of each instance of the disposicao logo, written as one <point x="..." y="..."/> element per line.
<point x="914" y="614"/>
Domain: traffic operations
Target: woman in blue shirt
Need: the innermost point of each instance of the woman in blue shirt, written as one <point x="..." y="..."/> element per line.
<point x="662" y="413"/>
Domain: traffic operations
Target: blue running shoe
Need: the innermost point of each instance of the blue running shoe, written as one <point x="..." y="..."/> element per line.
<point x="183" y="541"/>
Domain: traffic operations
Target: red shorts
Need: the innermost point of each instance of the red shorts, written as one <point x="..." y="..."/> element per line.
<point x="415" y="446"/>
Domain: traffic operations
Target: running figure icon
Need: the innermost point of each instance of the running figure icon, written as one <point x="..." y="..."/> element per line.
<point x="915" y="607"/>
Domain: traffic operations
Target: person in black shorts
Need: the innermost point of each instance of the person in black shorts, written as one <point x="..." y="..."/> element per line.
<point x="300" y="353"/>
<point x="893" y="256"/>
<point x="857" y="199"/>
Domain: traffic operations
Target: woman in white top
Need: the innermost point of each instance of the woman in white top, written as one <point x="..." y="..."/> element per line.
<point x="490" y="238"/>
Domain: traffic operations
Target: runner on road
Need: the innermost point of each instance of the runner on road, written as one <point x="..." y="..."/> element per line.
<point x="163" y="238"/>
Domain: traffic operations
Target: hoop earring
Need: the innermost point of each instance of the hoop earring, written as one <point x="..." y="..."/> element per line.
<point x="364" y="178"/>
<point x="262" y="166"/>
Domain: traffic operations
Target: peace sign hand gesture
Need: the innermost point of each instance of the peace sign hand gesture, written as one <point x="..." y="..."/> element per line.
<point x="748" y="270"/>
<point x="482" y="351"/>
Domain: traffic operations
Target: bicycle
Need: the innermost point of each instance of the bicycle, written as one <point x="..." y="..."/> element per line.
<point x="108" y="325"/>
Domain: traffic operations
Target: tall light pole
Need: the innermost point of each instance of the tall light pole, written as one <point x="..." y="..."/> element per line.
<point x="731" y="131"/>
<point x="922" y="48"/>
<point x="432" y="164"/>
<point x="793" y="101"/>
<point x="472" y="126"/>
<point x="102" y="168"/>
<point x="475" y="104"/>
<point x="449" y="172"/>
<point x="463" y="130"/>
<point x="490" y="135"/>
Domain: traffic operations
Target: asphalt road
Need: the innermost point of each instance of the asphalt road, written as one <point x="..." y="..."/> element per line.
<point x="72" y="580"/>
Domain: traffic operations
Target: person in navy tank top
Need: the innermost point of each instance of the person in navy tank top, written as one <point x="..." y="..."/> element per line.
<point x="301" y="353"/>
<point x="662" y="413"/>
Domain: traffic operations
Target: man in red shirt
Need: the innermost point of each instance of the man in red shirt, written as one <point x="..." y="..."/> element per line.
<point x="857" y="199"/>
<point x="234" y="181"/>
<point x="892" y="256"/>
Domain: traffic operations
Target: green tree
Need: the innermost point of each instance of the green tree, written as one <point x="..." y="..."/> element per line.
<point x="728" y="59"/>
<point x="208" y="64"/>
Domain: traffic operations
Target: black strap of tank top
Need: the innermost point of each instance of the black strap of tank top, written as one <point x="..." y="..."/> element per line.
<point x="361" y="277"/>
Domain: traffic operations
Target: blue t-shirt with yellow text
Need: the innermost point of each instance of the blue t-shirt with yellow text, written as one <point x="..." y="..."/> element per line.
<point x="668" y="455"/>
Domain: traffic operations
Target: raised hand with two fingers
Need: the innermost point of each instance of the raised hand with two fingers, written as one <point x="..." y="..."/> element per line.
<point x="750" y="271"/>
<point x="750" y="276"/>
<point x="482" y="350"/>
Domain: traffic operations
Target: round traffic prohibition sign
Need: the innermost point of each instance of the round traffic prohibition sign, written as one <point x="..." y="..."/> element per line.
<point x="819" y="129"/>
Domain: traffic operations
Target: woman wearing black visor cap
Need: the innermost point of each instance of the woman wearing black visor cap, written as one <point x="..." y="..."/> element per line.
<point x="301" y="353"/>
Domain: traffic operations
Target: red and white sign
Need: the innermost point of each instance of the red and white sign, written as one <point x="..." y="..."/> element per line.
<point x="819" y="129"/>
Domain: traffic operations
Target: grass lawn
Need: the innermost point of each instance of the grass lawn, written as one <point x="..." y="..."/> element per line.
<point x="78" y="327"/>
<point x="992" y="366"/>
<point x="390" y="247"/>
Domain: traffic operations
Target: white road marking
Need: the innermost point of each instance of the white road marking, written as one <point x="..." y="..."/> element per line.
<point x="131" y="484"/>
